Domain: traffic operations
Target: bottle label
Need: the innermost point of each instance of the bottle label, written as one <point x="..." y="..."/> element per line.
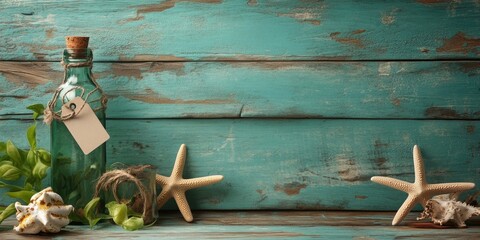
<point x="85" y="127"/>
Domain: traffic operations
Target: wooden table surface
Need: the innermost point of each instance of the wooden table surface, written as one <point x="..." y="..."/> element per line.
<point x="265" y="225"/>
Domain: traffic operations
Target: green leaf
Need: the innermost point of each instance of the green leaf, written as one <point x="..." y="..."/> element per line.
<point x="31" y="136"/>
<point x="133" y="223"/>
<point x="7" y="212"/>
<point x="37" y="110"/>
<point x="23" y="195"/>
<point x="12" y="152"/>
<point x="28" y="186"/>
<point x="6" y="162"/>
<point x="91" y="208"/>
<point x="92" y="222"/>
<point x="3" y="147"/>
<point x="44" y="157"/>
<point x="9" y="172"/>
<point x="26" y="170"/>
<point x="118" y="211"/>
<point x="31" y="158"/>
<point x="40" y="171"/>
<point x="75" y="217"/>
<point x="23" y="154"/>
<point x="90" y="212"/>
<point x="73" y="196"/>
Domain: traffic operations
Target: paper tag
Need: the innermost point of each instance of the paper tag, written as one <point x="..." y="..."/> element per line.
<point x="85" y="127"/>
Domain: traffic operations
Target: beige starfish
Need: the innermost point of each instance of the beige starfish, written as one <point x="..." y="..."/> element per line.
<point x="175" y="186"/>
<point x="420" y="191"/>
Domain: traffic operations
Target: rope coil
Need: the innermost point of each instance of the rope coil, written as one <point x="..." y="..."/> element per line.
<point x="50" y="113"/>
<point x="111" y="181"/>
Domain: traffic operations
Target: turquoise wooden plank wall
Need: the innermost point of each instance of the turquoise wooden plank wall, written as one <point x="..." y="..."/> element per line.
<point x="297" y="103"/>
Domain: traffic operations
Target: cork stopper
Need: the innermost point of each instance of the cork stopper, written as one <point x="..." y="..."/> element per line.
<point x="76" y="42"/>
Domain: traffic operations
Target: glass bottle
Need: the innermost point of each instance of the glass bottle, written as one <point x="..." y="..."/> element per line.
<point x="74" y="174"/>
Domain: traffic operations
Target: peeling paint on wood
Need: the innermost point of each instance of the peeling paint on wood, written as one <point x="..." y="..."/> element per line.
<point x="470" y="129"/>
<point x="243" y="58"/>
<point x="461" y="43"/>
<point x="262" y="89"/>
<point x="252" y="2"/>
<point x="350" y="38"/>
<point x="127" y="70"/>
<point x="445" y="113"/>
<point x="309" y="13"/>
<point x="29" y="75"/>
<point x="49" y="33"/>
<point x="138" y="70"/>
<point x="160" y="7"/>
<point x="218" y="59"/>
<point x="176" y="67"/>
<point x="152" y="57"/>
<point x="139" y="145"/>
<point x="291" y="164"/>
<point x="293" y="188"/>
<point x="396" y="101"/>
<point x="470" y="68"/>
<point x="388" y="18"/>
<point x="151" y="96"/>
<point x="380" y="162"/>
<point x="348" y="171"/>
<point x="262" y="194"/>
<point x="176" y="30"/>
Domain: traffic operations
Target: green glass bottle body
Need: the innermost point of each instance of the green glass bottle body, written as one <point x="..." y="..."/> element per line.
<point x="74" y="174"/>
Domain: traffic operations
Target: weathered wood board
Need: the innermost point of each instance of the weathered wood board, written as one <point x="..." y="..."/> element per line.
<point x="297" y="103"/>
<point x="244" y="30"/>
<point x="418" y="90"/>
<point x="293" y="164"/>
<point x="264" y="225"/>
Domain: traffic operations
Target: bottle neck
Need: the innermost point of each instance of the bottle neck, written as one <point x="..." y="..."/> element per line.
<point x="82" y="73"/>
<point x="78" y="63"/>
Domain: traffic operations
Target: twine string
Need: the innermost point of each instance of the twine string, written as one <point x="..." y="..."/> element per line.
<point x="111" y="180"/>
<point x="51" y="114"/>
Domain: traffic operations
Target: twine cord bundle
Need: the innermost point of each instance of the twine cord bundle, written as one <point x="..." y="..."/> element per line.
<point x="50" y="113"/>
<point x="111" y="180"/>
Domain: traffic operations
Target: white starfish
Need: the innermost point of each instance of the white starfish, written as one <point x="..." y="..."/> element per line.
<point x="175" y="186"/>
<point x="419" y="191"/>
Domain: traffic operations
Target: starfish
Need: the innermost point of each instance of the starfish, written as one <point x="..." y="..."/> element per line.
<point x="419" y="191"/>
<point x="175" y="186"/>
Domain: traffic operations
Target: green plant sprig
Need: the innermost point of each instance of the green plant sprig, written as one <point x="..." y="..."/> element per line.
<point x="30" y="164"/>
<point x="118" y="212"/>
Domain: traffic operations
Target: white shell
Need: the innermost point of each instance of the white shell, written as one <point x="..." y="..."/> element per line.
<point x="442" y="209"/>
<point x="45" y="213"/>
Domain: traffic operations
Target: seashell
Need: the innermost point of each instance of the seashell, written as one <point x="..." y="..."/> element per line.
<point x="45" y="213"/>
<point x="442" y="209"/>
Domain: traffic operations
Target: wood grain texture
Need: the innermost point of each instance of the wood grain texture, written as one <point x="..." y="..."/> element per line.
<point x="292" y="164"/>
<point x="418" y="90"/>
<point x="184" y="30"/>
<point x="238" y="81"/>
<point x="264" y="225"/>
